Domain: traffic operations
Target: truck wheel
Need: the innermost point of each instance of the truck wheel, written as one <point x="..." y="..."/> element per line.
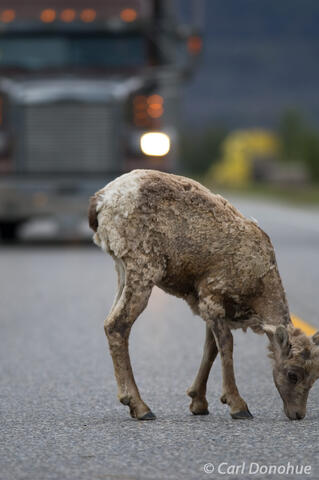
<point x="9" y="230"/>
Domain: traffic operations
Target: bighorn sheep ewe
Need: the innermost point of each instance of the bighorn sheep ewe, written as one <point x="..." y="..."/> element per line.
<point x="170" y="231"/>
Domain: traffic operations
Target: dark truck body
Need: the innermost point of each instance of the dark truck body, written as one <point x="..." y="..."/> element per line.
<point x="76" y="94"/>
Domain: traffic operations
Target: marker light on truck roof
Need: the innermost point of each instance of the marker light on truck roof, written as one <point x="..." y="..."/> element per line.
<point x="128" y="15"/>
<point x="88" y="15"/>
<point x="68" y="15"/>
<point x="7" y="16"/>
<point x="48" y="15"/>
<point x="155" y="144"/>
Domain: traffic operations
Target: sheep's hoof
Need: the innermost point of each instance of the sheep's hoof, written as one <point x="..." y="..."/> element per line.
<point x="201" y="412"/>
<point x="148" y="416"/>
<point x="199" y="405"/>
<point x="242" y="415"/>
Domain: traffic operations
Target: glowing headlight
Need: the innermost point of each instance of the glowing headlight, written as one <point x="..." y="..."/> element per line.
<point x="156" y="144"/>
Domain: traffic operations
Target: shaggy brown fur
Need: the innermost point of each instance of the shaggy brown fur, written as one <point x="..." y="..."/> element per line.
<point x="170" y="231"/>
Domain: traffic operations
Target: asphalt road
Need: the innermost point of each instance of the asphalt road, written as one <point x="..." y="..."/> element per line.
<point x="60" y="418"/>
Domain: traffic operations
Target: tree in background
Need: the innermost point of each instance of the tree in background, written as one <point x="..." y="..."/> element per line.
<point x="200" y="150"/>
<point x="299" y="142"/>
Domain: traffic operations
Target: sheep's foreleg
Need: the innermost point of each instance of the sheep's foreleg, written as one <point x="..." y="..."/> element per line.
<point x="224" y="339"/>
<point x="117" y="327"/>
<point x="199" y="404"/>
<point x="212" y="310"/>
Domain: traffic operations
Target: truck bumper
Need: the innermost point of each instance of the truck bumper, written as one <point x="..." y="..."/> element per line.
<point x="23" y="198"/>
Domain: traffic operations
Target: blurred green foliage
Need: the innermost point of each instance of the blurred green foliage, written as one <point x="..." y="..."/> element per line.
<point x="299" y="142"/>
<point x="199" y="150"/>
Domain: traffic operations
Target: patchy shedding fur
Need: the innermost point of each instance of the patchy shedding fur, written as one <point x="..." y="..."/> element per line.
<point x="172" y="232"/>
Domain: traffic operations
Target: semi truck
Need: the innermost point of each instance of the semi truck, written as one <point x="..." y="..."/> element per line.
<point x="88" y="90"/>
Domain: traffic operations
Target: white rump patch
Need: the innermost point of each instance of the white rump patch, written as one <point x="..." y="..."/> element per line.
<point x="116" y="202"/>
<point x="121" y="194"/>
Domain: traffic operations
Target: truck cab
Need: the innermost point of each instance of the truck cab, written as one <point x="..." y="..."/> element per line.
<point x="86" y="93"/>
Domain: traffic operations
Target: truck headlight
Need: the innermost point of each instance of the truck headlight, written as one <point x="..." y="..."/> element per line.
<point x="155" y="144"/>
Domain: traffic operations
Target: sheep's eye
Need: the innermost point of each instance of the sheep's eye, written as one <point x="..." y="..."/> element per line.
<point x="292" y="377"/>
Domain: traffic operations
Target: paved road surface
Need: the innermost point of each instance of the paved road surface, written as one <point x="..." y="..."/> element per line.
<point x="59" y="415"/>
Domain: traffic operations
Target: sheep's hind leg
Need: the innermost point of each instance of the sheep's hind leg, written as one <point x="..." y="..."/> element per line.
<point x="199" y="404"/>
<point x="120" y="270"/>
<point x="131" y="303"/>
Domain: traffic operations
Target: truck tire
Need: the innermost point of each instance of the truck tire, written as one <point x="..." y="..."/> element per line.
<point x="9" y="230"/>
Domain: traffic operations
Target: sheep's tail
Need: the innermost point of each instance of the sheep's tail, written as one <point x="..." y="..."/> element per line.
<point x="92" y="214"/>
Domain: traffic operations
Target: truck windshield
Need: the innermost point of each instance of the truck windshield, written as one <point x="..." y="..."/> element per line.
<point x="59" y="50"/>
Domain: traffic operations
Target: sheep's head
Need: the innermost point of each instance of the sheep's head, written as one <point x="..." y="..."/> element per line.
<point x="295" y="359"/>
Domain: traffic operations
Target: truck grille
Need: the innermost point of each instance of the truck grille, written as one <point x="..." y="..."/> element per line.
<point x="69" y="137"/>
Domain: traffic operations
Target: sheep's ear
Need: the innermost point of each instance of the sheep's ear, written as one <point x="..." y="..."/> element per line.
<point x="278" y="337"/>
<point x="315" y="338"/>
<point x="282" y="339"/>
